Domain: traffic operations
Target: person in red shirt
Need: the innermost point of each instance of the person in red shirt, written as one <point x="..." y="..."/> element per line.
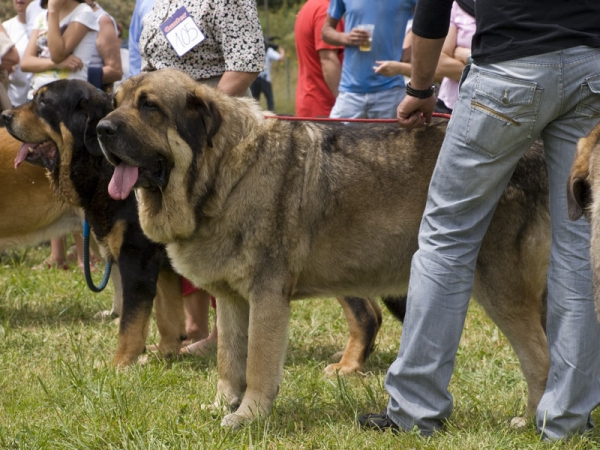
<point x="319" y="64"/>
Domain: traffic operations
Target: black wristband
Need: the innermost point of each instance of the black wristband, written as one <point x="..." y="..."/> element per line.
<point x="419" y="93"/>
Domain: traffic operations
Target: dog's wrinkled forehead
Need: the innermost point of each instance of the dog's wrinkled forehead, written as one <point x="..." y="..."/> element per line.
<point x="45" y="98"/>
<point x="48" y="105"/>
<point x="64" y="95"/>
<point x="158" y="87"/>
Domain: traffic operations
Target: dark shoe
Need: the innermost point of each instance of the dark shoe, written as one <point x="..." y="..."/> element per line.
<point x="379" y="422"/>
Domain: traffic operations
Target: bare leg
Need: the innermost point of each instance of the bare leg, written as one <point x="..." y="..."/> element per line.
<point x="197" y="319"/>
<point x="78" y="238"/>
<point x="58" y="257"/>
<point x="196" y="306"/>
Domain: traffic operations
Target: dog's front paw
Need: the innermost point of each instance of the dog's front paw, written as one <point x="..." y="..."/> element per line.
<point x="122" y="360"/>
<point x="234" y="421"/>
<point x="105" y="315"/>
<point x="341" y="369"/>
<point x="518" y="422"/>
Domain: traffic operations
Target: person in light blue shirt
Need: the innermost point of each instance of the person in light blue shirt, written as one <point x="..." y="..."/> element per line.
<point x="362" y="92"/>
<point x="142" y="7"/>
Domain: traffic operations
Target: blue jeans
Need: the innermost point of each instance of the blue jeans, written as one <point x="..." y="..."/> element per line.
<point x="502" y="108"/>
<point x="374" y="105"/>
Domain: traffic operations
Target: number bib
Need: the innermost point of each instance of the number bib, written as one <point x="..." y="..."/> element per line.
<point x="182" y="32"/>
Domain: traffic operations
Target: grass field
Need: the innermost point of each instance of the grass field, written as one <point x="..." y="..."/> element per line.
<point x="59" y="391"/>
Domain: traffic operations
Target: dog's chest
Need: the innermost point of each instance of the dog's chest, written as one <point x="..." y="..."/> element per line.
<point x="204" y="264"/>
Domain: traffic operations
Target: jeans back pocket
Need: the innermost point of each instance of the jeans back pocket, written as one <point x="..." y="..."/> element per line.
<point x="589" y="106"/>
<point x="503" y="113"/>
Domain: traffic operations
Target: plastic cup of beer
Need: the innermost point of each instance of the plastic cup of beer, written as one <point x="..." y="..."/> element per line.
<point x="368" y="27"/>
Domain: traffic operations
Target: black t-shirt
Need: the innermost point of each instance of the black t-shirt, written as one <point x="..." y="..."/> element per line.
<point x="511" y="29"/>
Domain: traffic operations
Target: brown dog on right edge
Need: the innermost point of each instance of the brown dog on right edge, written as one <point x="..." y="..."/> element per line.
<point x="583" y="197"/>
<point x="287" y="210"/>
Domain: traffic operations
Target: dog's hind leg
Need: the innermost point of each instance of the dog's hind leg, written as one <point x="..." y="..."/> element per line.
<point x="170" y="315"/>
<point x="267" y="342"/>
<point x="517" y="311"/>
<point x="364" y="320"/>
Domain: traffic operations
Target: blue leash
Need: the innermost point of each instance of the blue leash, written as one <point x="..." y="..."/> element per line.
<point x="86" y="262"/>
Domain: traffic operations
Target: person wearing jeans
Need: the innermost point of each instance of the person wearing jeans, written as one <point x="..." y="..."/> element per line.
<point x="362" y="92"/>
<point x="512" y="94"/>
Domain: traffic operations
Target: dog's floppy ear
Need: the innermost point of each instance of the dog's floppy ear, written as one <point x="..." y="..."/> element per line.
<point x="579" y="196"/>
<point x="95" y="106"/>
<point x="579" y="190"/>
<point x="209" y="115"/>
<point x="91" y="137"/>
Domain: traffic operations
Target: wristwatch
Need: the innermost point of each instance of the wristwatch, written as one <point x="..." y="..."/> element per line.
<point x="419" y="93"/>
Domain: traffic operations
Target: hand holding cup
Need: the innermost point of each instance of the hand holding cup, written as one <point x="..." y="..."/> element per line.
<point x="366" y="30"/>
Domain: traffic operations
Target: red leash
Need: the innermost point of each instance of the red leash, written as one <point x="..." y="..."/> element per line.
<point x="328" y="119"/>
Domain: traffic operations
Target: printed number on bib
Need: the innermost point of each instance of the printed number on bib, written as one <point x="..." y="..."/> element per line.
<point x="182" y="32"/>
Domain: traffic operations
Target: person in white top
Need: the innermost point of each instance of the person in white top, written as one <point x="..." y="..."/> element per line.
<point x="16" y="28"/>
<point x="62" y="42"/>
<point x="33" y="10"/>
<point x="60" y="46"/>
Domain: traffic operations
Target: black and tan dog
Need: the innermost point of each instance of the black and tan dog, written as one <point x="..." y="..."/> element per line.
<point x="58" y="128"/>
<point x="261" y="211"/>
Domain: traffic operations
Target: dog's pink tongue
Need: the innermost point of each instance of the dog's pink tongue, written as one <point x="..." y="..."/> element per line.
<point x="122" y="181"/>
<point x="22" y="153"/>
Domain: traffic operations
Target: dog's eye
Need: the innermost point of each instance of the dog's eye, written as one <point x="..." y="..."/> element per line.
<point x="149" y="104"/>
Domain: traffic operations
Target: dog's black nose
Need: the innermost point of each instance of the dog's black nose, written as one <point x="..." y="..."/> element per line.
<point x="106" y="128"/>
<point x="7" y="116"/>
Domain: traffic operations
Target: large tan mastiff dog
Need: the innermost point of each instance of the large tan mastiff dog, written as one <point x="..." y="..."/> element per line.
<point x="261" y="212"/>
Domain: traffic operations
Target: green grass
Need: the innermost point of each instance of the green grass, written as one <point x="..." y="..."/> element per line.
<point x="59" y="391"/>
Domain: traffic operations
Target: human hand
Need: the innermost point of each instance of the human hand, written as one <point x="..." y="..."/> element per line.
<point x="415" y="112"/>
<point x="357" y="37"/>
<point x="71" y="62"/>
<point x="387" y="68"/>
<point x="462" y="54"/>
